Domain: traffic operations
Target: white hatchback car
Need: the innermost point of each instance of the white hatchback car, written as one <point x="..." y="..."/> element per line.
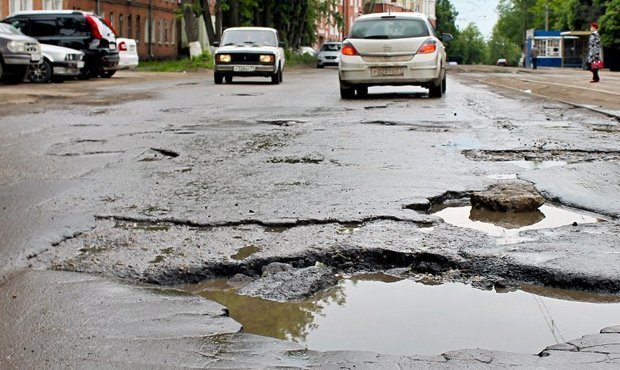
<point x="392" y="49"/>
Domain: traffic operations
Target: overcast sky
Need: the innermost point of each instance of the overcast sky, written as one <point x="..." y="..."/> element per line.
<point x="481" y="12"/>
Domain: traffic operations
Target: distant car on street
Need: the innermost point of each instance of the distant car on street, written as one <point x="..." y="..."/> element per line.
<point x="502" y="62"/>
<point x="392" y="49"/>
<point x="58" y="63"/>
<point x="329" y="54"/>
<point x="17" y="52"/>
<point x="247" y="52"/>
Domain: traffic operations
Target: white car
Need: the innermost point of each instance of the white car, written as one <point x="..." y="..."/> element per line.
<point x="58" y="63"/>
<point x="249" y="51"/>
<point x="329" y="54"/>
<point x="127" y="53"/>
<point x="392" y="49"/>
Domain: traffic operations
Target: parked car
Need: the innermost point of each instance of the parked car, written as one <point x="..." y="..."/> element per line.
<point x="249" y="51"/>
<point x="392" y="49"/>
<point x="127" y="51"/>
<point x="17" y="52"/>
<point x="329" y="54"/>
<point x="73" y="29"/>
<point x="58" y="64"/>
<point x="502" y="62"/>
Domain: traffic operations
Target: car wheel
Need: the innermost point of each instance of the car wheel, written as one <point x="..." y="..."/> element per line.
<point x="281" y="76"/>
<point x="1" y="69"/>
<point x="275" y="78"/>
<point x="40" y="73"/>
<point x="228" y="79"/>
<point x="346" y="92"/>
<point x="362" y="91"/>
<point x="320" y="66"/>
<point x="444" y="86"/>
<point x="436" y="91"/>
<point x="16" y="76"/>
<point x="217" y="78"/>
<point x="106" y="74"/>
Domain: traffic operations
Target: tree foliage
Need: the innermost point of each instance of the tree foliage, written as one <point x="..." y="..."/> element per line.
<point x="295" y="20"/>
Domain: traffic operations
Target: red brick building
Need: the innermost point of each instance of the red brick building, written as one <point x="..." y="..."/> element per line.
<point x="130" y="18"/>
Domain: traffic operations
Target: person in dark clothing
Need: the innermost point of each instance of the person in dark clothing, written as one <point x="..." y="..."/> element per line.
<point x="594" y="51"/>
<point x="534" y="54"/>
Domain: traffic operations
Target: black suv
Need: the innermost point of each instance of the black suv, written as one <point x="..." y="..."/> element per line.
<point x="72" y="29"/>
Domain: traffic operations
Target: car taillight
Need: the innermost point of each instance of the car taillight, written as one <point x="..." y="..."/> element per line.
<point x="348" y="49"/>
<point x="122" y="46"/>
<point x="94" y="29"/>
<point x="428" y="47"/>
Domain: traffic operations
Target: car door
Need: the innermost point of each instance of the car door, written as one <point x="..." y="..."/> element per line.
<point x="44" y="29"/>
<point x="73" y="32"/>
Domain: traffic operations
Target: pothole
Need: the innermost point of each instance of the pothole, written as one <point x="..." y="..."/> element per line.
<point x="392" y="315"/>
<point x="508" y="225"/>
<point x="542" y="158"/>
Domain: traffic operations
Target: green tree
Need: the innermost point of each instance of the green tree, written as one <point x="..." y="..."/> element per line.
<point x="500" y="46"/>
<point x="446" y="23"/>
<point x="610" y="25"/>
<point x="470" y="46"/>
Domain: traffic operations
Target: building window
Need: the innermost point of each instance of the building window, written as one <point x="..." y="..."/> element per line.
<point x="166" y="29"/>
<point x="161" y="31"/>
<point x="52" y="4"/>
<point x="129" y="27"/>
<point x="18" y="5"/>
<point x="112" y="20"/>
<point x="153" y="31"/>
<point x="121" y="29"/>
<point x="174" y="31"/>
<point x="550" y="48"/>
<point x="146" y="31"/>
<point x="137" y="28"/>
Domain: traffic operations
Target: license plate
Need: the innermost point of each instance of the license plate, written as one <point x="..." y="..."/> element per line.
<point x="80" y="64"/>
<point x="387" y="71"/>
<point x="244" y="68"/>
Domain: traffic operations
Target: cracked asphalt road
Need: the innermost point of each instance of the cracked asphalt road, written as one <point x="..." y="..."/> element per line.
<point x="162" y="180"/>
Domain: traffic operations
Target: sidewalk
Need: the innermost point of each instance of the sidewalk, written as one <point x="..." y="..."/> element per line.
<point x="571" y="86"/>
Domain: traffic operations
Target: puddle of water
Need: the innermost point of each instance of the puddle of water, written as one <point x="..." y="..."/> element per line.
<point x="245" y="252"/>
<point x="509" y="224"/>
<point x="536" y="165"/>
<point x="348" y="228"/>
<point x="389" y="315"/>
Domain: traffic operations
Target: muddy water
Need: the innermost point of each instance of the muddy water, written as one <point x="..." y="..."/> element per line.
<point x="390" y="315"/>
<point x="507" y="225"/>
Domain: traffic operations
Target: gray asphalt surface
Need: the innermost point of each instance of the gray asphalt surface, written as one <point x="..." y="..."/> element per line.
<point x="204" y="170"/>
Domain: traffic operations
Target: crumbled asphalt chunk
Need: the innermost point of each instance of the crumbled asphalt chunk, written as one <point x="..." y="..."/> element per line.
<point x="291" y="284"/>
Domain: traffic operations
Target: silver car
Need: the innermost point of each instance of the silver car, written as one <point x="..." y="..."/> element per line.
<point x="59" y="63"/>
<point x="328" y="55"/>
<point x="392" y="49"/>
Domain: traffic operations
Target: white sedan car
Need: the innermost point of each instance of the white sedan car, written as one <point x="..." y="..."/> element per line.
<point x="392" y="49"/>
<point x="58" y="63"/>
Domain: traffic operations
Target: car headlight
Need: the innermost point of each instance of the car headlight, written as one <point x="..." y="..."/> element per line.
<point x="267" y="58"/>
<point x="16" y="46"/>
<point x="223" y="58"/>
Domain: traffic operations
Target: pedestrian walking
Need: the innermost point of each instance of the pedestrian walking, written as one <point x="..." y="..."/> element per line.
<point x="594" y="52"/>
<point x="534" y="55"/>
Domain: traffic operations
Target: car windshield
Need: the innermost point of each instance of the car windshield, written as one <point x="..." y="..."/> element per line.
<point x="331" y="47"/>
<point x="391" y="28"/>
<point x="8" y="29"/>
<point x="249" y="37"/>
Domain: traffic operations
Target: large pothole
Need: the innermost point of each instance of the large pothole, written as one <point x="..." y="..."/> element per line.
<point x="397" y="315"/>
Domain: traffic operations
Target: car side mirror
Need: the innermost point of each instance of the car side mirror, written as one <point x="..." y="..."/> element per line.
<point x="445" y="37"/>
<point x="216" y="44"/>
<point x="281" y="44"/>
